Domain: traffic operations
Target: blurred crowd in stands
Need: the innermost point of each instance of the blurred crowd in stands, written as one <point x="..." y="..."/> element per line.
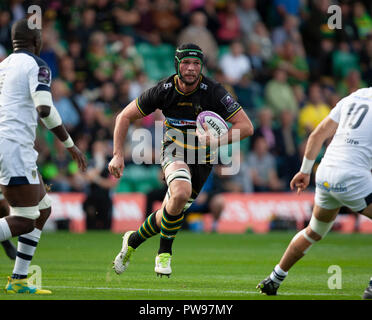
<point x="279" y="58"/>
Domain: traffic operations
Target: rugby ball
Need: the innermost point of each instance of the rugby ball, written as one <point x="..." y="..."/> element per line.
<point x="216" y="125"/>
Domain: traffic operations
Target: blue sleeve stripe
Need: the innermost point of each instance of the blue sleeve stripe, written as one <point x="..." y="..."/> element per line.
<point x="42" y="87"/>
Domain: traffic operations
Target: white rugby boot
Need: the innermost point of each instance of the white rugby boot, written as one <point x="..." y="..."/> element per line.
<point x="163" y="264"/>
<point x="122" y="260"/>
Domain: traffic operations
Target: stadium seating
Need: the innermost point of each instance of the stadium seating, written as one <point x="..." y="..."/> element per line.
<point x="158" y="60"/>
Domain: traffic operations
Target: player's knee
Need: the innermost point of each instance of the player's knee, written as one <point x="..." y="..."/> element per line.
<point x="31" y="213"/>
<point x="21" y="225"/>
<point x="304" y="234"/>
<point x="303" y="241"/>
<point x="29" y="225"/>
<point x="26" y="218"/>
<point x="44" y="214"/>
<point x="181" y="196"/>
<point x="45" y="207"/>
<point x="312" y="235"/>
<point x="179" y="182"/>
<point x="45" y="203"/>
<point x="318" y="229"/>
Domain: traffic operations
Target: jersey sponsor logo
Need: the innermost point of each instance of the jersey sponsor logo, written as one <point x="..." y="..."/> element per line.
<point x="203" y="86"/>
<point x="167" y="85"/>
<point x="184" y="104"/>
<point x="181" y="122"/>
<point x="229" y="102"/>
<point x="337" y="187"/>
<point x="44" y="75"/>
<point x="351" y="141"/>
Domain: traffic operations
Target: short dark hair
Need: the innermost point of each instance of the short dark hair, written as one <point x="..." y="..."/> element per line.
<point x="22" y="35"/>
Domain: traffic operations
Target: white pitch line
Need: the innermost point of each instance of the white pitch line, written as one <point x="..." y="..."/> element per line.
<point x="213" y="291"/>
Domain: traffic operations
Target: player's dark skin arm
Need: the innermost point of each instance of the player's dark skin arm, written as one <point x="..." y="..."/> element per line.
<point x="61" y="133"/>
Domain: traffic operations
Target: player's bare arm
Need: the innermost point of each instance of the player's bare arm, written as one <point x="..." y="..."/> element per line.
<point x="241" y="122"/>
<point x="122" y="122"/>
<point x="325" y="130"/>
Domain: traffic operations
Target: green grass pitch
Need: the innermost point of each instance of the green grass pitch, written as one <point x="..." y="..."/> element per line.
<point x="205" y="267"/>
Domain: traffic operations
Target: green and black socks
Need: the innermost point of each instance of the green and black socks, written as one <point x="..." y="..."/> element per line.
<point x="168" y="230"/>
<point x="147" y="230"/>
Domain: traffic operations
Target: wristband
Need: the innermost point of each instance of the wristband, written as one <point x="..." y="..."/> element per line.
<point x="68" y="143"/>
<point x="307" y="165"/>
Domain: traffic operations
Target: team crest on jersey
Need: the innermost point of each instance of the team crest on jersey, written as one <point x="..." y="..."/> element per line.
<point x="44" y="75"/>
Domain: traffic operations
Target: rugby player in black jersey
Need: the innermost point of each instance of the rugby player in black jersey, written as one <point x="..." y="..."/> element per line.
<point x="181" y="97"/>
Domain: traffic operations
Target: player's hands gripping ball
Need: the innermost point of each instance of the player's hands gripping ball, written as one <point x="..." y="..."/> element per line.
<point x="209" y="127"/>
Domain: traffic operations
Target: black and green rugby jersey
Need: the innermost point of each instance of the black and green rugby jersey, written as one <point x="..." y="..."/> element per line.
<point x="181" y="110"/>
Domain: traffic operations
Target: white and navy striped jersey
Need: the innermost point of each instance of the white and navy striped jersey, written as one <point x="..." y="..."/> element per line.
<point x="21" y="74"/>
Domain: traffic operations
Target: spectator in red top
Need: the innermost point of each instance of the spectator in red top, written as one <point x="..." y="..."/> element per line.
<point x="229" y="24"/>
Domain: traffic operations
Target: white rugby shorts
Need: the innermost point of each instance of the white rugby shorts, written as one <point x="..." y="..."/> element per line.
<point x="337" y="187"/>
<point x="17" y="163"/>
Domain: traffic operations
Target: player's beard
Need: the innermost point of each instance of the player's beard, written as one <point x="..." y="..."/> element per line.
<point x="190" y="83"/>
